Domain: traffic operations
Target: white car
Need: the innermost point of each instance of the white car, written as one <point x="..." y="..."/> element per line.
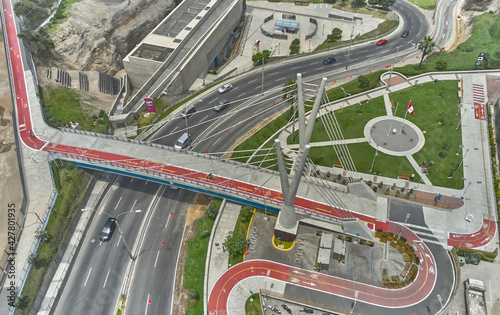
<point x="225" y="88"/>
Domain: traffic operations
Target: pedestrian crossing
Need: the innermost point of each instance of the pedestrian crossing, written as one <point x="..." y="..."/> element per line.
<point x="427" y="235"/>
<point x="478" y="98"/>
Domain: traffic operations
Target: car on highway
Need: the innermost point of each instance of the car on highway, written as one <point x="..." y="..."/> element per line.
<point x="223" y="103"/>
<point x="329" y="60"/>
<point x="183" y="141"/>
<point x="108" y="229"/>
<point x="382" y="42"/>
<point x="225" y="88"/>
<point x="188" y="112"/>
<point x="405" y="34"/>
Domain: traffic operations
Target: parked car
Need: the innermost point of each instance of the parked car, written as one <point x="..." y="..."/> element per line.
<point x="223" y="103"/>
<point x="108" y="229"/>
<point x="329" y="60"/>
<point x="225" y="88"/>
<point x="189" y="111"/>
<point x="405" y="34"/>
<point x="382" y="42"/>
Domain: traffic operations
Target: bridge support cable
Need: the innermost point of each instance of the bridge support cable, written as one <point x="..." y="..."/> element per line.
<point x="335" y="135"/>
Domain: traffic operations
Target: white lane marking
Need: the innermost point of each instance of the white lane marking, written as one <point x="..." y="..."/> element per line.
<point x="213" y="100"/>
<point x="168" y="219"/>
<point x="106" y="280"/>
<point x="100" y="242"/>
<point x="252" y="81"/>
<point x="280" y="79"/>
<point x="235" y="88"/>
<point x="241" y="94"/>
<point x="146" y="182"/>
<point x="133" y="206"/>
<point x="118" y="203"/>
<point x="444" y="35"/>
<point x="173" y="130"/>
<point x="118" y="241"/>
<point x="320" y="68"/>
<point x="147" y="303"/>
<point x="313" y="63"/>
<point x="156" y="260"/>
<point x="258" y="87"/>
<point x="216" y="141"/>
<point x="203" y="118"/>
<point x="87" y="277"/>
<point x="274" y="73"/>
<point x="132" y="179"/>
<point x="296" y="67"/>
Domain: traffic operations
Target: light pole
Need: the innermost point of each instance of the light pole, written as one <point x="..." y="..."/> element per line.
<point x="392" y="68"/>
<point x="345" y="95"/>
<point x="262" y="87"/>
<point x="355" y="299"/>
<point x="119" y="229"/>
<point x="265" y="283"/>
<point x="349" y="50"/>
<point x="463" y="158"/>
<point x="400" y="231"/>
<point x="461" y="117"/>
<point x="373" y="162"/>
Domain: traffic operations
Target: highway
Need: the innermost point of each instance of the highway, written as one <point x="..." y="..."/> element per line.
<point x="94" y="283"/>
<point x="239" y="122"/>
<point x="153" y="279"/>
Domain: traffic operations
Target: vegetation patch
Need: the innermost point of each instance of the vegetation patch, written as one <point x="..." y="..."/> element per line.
<point x="252" y="305"/>
<point x="436" y="108"/>
<point x="236" y="243"/>
<point x="282" y="244"/>
<point x="71" y="183"/>
<point x="194" y="269"/>
<point x="62" y="106"/>
<point x="485" y="256"/>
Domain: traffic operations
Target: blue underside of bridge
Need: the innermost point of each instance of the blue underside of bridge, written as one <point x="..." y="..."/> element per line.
<point x="232" y="198"/>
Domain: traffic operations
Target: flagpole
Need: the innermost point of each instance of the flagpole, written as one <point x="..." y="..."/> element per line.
<point x="404" y="120"/>
<point x="390" y="128"/>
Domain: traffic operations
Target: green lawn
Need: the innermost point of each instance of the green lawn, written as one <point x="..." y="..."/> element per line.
<point x="252" y="305"/>
<point x="426" y="4"/>
<point x="62" y="106"/>
<point x="362" y="154"/>
<point x="352" y="120"/>
<point x="194" y="269"/>
<point x="71" y="183"/>
<point x="484" y="38"/>
<point x="435" y="106"/>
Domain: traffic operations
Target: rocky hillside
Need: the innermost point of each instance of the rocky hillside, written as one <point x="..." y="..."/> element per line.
<point x="99" y="34"/>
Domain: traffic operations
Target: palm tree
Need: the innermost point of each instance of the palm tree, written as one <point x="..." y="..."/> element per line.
<point x="426" y="46"/>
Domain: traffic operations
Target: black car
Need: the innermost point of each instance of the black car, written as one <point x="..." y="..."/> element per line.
<point x="329" y="60"/>
<point x="405" y="34"/>
<point x="189" y="111"/>
<point x="108" y="229"/>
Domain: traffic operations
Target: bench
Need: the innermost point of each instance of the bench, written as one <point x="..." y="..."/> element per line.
<point x="404" y="176"/>
<point x="393" y="103"/>
<point x="459" y="85"/>
<point x="363" y="101"/>
<point x="338" y="165"/>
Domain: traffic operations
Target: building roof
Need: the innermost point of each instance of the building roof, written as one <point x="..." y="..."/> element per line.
<point x="287" y="24"/>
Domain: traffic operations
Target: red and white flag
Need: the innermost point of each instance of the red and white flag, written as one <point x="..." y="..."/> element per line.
<point x="410" y="108"/>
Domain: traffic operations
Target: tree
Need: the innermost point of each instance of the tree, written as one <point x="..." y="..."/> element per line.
<point x="359" y="3"/>
<point x="335" y="35"/>
<point x="258" y="56"/>
<point x="295" y="46"/>
<point x="363" y="82"/>
<point x="23" y="7"/>
<point x="39" y="43"/>
<point x="426" y="46"/>
<point x="441" y="65"/>
<point x="235" y="244"/>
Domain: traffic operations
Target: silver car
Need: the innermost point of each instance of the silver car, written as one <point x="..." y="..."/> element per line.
<point x="225" y="88"/>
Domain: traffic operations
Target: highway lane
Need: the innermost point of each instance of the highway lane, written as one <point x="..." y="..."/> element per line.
<point x="154" y="274"/>
<point x="94" y="283"/>
<point x="275" y="76"/>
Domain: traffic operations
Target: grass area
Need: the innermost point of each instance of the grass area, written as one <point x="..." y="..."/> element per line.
<point x="382" y="28"/>
<point x="352" y="120"/>
<point x="362" y="154"/>
<point x="62" y="14"/>
<point x="426" y="4"/>
<point x="484" y="38"/>
<point x="71" y="183"/>
<point x="435" y="106"/>
<point x="282" y="244"/>
<point x="252" y="305"/>
<point x="145" y="119"/>
<point x="194" y="269"/>
<point x="242" y="224"/>
<point x="62" y="106"/>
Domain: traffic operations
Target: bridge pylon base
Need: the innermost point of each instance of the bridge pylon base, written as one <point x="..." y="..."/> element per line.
<point x="285" y="234"/>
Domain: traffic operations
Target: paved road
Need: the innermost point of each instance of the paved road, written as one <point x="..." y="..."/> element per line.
<point x="93" y="285"/>
<point x="248" y="87"/>
<point x="154" y="275"/>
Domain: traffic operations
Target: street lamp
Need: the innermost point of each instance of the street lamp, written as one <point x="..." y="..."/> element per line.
<point x="119" y="228"/>
<point x="355" y="299"/>
<point x="349" y="50"/>
<point x="400" y="231"/>
<point x="345" y="95"/>
<point x="265" y="283"/>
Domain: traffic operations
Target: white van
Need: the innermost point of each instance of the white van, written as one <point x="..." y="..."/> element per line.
<point x="183" y="141"/>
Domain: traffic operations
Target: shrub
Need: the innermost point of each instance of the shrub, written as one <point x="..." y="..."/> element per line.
<point x="441" y="65"/>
